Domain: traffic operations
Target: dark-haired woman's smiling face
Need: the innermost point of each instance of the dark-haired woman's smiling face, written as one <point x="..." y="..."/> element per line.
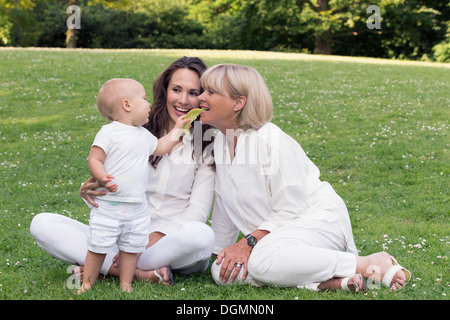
<point x="182" y="93"/>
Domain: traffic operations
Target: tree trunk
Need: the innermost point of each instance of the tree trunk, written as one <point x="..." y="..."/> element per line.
<point x="71" y="33"/>
<point x="71" y="38"/>
<point x="322" y="45"/>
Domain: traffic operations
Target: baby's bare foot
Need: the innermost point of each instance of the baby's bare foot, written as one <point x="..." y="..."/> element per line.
<point x="84" y="288"/>
<point x="78" y="273"/>
<point x="126" y="286"/>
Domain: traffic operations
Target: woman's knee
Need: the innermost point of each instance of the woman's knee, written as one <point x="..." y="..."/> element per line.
<point x="198" y="236"/>
<point x="39" y="223"/>
<point x="260" y="263"/>
<point x="215" y="273"/>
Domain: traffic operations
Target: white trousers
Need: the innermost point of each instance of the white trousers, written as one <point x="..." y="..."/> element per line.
<point x="301" y="254"/>
<point x="186" y="249"/>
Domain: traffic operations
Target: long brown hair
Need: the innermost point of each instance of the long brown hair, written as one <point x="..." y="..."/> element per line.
<point x="159" y="119"/>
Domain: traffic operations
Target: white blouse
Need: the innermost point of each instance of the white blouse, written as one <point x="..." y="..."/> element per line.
<point x="269" y="183"/>
<point x="179" y="189"/>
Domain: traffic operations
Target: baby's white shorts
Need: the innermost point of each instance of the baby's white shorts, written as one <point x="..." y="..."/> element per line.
<point x="121" y="223"/>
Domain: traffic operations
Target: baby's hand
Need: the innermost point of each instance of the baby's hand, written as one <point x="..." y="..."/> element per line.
<point x="181" y="121"/>
<point x="106" y="182"/>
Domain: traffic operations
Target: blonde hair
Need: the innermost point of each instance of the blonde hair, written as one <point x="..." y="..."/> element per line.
<point x="236" y="80"/>
<point x="111" y="95"/>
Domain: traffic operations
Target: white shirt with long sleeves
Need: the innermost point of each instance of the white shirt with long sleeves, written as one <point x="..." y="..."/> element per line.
<point x="179" y="189"/>
<point x="269" y="183"/>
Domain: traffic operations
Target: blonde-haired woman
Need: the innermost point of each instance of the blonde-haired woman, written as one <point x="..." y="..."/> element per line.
<point x="297" y="229"/>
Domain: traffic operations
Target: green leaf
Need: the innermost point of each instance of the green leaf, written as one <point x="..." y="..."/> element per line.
<point x="191" y="115"/>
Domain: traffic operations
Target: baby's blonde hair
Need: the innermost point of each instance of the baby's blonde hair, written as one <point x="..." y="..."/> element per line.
<point x="236" y="80"/>
<point x="111" y="95"/>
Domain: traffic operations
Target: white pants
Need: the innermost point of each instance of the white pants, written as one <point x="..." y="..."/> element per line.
<point x="301" y="254"/>
<point x="186" y="249"/>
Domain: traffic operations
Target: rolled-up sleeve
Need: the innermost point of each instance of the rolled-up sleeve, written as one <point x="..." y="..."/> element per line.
<point x="224" y="229"/>
<point x="201" y="200"/>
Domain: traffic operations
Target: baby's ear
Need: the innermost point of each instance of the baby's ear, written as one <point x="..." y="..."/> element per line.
<point x="126" y="105"/>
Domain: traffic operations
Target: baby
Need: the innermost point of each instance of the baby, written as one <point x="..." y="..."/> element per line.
<point x="119" y="161"/>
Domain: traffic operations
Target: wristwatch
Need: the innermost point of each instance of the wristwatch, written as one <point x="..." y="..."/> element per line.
<point x="251" y="240"/>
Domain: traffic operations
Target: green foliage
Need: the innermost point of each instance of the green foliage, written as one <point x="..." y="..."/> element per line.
<point x="254" y="25"/>
<point x="104" y="25"/>
<point x="51" y="23"/>
<point x="442" y="49"/>
<point x="413" y="24"/>
<point x="147" y="27"/>
<point x="413" y="29"/>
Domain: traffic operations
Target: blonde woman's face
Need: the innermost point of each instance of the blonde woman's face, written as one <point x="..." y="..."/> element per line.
<point x="182" y="93"/>
<point x="219" y="109"/>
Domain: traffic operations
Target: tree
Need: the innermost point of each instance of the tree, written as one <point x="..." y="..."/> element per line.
<point x="250" y="24"/>
<point x="122" y="5"/>
<point x="7" y="10"/>
<point x="328" y="19"/>
<point x="410" y="29"/>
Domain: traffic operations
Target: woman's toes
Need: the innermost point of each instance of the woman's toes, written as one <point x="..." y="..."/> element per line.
<point x="164" y="274"/>
<point x="355" y="282"/>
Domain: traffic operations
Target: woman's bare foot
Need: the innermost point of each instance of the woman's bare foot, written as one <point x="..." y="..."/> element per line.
<point x="149" y="276"/>
<point x="375" y="266"/>
<point x="355" y="281"/>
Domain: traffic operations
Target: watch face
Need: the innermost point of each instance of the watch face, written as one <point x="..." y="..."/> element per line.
<point x="251" y="241"/>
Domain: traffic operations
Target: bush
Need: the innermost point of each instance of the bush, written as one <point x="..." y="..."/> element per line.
<point x="442" y="51"/>
<point x="103" y="27"/>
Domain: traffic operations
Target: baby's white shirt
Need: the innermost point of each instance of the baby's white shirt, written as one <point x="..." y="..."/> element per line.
<point x="127" y="150"/>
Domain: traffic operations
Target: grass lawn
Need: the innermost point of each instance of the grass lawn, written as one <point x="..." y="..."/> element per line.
<point x="377" y="129"/>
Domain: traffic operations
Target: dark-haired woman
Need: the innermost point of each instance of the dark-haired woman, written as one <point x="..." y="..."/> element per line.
<point x="180" y="192"/>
